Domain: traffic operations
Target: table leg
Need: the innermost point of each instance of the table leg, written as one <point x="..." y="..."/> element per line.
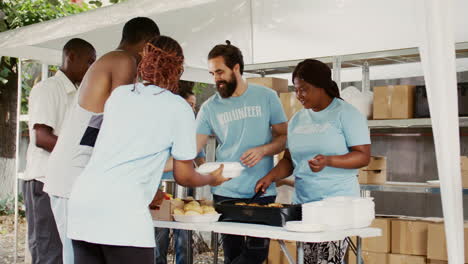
<point x="189" y="248"/>
<point x="300" y="253"/>
<point x="215" y="241"/>
<point x="286" y="252"/>
<point x="359" y="250"/>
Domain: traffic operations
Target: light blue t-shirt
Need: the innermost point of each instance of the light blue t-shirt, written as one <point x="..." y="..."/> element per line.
<point x="239" y="124"/>
<point x="170" y="174"/>
<point x="331" y="131"/>
<point x="141" y="128"/>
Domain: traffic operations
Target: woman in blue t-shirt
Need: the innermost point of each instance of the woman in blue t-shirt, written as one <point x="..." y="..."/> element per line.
<point x="327" y="142"/>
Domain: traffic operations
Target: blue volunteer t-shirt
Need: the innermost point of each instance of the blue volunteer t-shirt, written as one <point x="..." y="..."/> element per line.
<point x="239" y="124"/>
<point x="331" y="131"/>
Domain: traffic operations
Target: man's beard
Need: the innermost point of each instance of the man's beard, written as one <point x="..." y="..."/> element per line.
<point x="229" y="87"/>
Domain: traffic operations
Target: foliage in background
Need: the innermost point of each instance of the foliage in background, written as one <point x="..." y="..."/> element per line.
<point x="7" y="205"/>
<point x="15" y="14"/>
<point x="199" y="87"/>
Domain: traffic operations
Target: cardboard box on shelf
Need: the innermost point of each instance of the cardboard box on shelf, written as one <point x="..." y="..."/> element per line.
<point x="393" y="102"/>
<point x="437" y="244"/>
<point x="376" y="163"/>
<point x="464" y="163"/>
<point x="464" y="174"/>
<point x="464" y="170"/>
<point x="368" y="258"/>
<point x="372" y="177"/>
<point x="277" y="256"/>
<point x="435" y="261"/>
<point x="409" y="237"/>
<point x="277" y="84"/>
<point x="405" y="259"/>
<point x="290" y="104"/>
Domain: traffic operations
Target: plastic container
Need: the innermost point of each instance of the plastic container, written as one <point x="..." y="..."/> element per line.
<point x="364" y="212"/>
<point x="338" y="213"/>
<point x="231" y="169"/>
<point x="312" y="213"/>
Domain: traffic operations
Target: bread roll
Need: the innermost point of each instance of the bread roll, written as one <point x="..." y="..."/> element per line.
<point x="192" y="213"/>
<point x="179" y="211"/>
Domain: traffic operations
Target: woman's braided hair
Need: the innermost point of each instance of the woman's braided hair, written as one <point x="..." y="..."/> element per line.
<point x="162" y="63"/>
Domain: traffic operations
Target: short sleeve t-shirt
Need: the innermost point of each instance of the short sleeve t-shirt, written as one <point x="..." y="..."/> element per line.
<point x="239" y="124"/>
<point x="142" y="127"/>
<point x="332" y="131"/>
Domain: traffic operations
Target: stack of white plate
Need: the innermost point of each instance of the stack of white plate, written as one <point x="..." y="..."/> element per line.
<point x="335" y="213"/>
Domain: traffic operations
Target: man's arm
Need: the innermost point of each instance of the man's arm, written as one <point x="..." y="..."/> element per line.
<point x="45" y="137"/>
<point x="254" y="155"/>
<point x="202" y="140"/>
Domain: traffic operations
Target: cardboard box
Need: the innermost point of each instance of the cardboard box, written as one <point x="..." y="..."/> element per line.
<point x="394" y="102"/>
<point x="437" y="243"/>
<point x="372" y="177"/>
<point x="464" y="163"/>
<point x="464" y="170"/>
<point x="405" y="259"/>
<point x="376" y="163"/>
<point x="368" y="258"/>
<point x="290" y="104"/>
<point x="166" y="209"/>
<point x="382" y="243"/>
<point x="277" y="256"/>
<point x="435" y="261"/>
<point x="164" y="213"/>
<point x="464" y="175"/>
<point x="409" y="237"/>
<point x="277" y="84"/>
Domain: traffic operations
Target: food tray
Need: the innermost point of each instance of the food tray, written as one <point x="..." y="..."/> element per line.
<point x="273" y="216"/>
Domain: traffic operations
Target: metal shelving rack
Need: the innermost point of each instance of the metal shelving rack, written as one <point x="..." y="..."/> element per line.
<point x="404" y="187"/>
<point x="364" y="61"/>
<point x="409" y="123"/>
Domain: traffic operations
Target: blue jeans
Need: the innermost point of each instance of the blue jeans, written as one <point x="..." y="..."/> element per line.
<point x="245" y="250"/>
<point x="162" y="245"/>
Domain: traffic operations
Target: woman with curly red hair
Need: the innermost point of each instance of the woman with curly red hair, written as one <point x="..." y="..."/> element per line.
<point x="144" y="124"/>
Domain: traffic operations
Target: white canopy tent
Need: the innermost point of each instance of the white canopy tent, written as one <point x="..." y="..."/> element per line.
<point x="275" y="30"/>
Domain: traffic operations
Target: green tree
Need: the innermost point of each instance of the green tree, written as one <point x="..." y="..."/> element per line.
<point x="15" y="14"/>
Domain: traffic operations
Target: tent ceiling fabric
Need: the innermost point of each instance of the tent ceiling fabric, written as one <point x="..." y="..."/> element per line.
<point x="265" y="30"/>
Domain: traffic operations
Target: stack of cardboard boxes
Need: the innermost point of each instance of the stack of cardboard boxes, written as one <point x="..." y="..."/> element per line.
<point x="437" y="243"/>
<point x="375" y="172"/>
<point x="407" y="241"/>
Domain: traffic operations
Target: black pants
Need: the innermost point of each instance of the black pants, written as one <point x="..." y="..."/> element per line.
<point x="43" y="237"/>
<point x="89" y="253"/>
<point x="245" y="250"/>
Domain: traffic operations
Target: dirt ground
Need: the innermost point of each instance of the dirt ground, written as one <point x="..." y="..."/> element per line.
<point x="7" y="238"/>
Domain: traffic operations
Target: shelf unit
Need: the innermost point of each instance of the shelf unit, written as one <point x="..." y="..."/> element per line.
<point x="365" y="61"/>
<point x="409" y="123"/>
<point x="405" y="187"/>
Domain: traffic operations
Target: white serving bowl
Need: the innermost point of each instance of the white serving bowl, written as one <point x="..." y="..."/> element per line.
<point x="206" y="218"/>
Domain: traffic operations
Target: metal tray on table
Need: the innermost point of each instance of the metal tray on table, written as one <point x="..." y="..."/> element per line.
<point x="273" y="216"/>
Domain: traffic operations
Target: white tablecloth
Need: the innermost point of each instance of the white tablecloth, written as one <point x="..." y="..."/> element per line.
<point x="270" y="231"/>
